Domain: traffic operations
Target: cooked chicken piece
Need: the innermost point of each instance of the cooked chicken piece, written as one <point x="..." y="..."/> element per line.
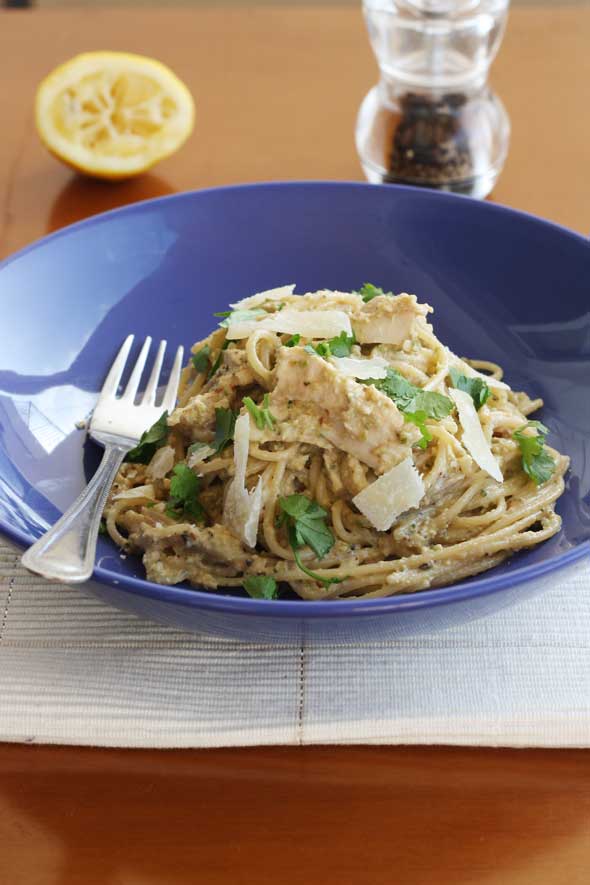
<point x="174" y="553"/>
<point x="197" y="419"/>
<point x="356" y="418"/>
<point x="387" y="319"/>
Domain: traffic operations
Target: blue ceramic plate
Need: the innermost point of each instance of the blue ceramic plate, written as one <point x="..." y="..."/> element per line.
<point x="505" y="287"/>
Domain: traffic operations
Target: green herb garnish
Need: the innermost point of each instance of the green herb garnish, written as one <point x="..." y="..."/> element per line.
<point x="184" y="489"/>
<point x="293" y="341"/>
<point x="537" y="463"/>
<point x="260" y="587"/>
<point x="200" y="359"/>
<point x="342" y="344"/>
<point x="306" y="525"/>
<point x="368" y="291"/>
<point x="261" y="414"/>
<point x="415" y="404"/>
<point x="225" y="422"/>
<point x="339" y="346"/>
<point x="321" y="349"/>
<point x="151" y="440"/>
<point x="419" y="419"/>
<point x="102" y="528"/>
<point x="217" y="362"/>
<point x="240" y="316"/>
<point x="477" y="388"/>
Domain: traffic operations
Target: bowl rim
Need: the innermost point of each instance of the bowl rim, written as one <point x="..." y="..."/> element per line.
<point x="316" y="609"/>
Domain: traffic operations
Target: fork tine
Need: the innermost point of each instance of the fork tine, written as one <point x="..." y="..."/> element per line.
<point x="109" y="388"/>
<point x="149" y="396"/>
<point x="135" y="377"/>
<point x="171" y="391"/>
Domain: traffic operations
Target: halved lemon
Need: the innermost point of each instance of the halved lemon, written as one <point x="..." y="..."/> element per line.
<point x="113" y="114"/>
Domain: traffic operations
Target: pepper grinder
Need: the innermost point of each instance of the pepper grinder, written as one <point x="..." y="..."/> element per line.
<point x="432" y="120"/>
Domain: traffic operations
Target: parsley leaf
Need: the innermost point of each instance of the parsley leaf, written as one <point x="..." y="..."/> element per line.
<point x="260" y="587"/>
<point x="411" y="399"/>
<point x="322" y="349"/>
<point x="537" y="463"/>
<point x="184" y="489"/>
<point x="342" y="344"/>
<point x="217" y="362"/>
<point x="293" y="341"/>
<point x="306" y="525"/>
<point x="477" y="388"/>
<point x="225" y="422"/>
<point x="419" y="419"/>
<point x="261" y="414"/>
<point x="368" y="291"/>
<point x="151" y="440"/>
<point x="200" y="359"/>
<point x="223" y="313"/>
<point x="240" y="316"/>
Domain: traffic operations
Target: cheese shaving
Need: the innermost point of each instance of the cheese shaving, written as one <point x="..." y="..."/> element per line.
<point x="146" y="491"/>
<point x="473" y="436"/>
<point x="376" y="367"/>
<point x="269" y="295"/>
<point x="398" y="490"/>
<point x="307" y="323"/>
<point x="241" y="512"/>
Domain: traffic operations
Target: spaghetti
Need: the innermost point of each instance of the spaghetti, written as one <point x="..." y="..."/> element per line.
<point x="368" y="462"/>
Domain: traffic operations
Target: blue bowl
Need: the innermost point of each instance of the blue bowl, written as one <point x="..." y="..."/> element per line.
<point x="505" y="286"/>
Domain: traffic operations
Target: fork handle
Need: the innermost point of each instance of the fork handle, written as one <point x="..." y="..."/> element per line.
<point x="67" y="551"/>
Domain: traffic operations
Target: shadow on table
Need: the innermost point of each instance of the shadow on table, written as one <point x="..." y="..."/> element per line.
<point x="376" y="816"/>
<point x="82" y="197"/>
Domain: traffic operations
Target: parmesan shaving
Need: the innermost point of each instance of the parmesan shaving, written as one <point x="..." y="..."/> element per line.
<point x="308" y="323"/>
<point x="376" y="367"/>
<point x="260" y="297"/>
<point x="473" y="436"/>
<point x="146" y="491"/>
<point x="398" y="490"/>
<point x="162" y="463"/>
<point x="241" y="511"/>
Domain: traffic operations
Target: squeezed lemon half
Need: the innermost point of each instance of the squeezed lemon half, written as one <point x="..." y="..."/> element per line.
<point x="113" y="114"/>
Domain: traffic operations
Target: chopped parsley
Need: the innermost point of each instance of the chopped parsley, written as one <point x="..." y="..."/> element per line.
<point x="217" y="362"/>
<point x="416" y="404"/>
<point x="240" y="316"/>
<point x="419" y="419"/>
<point x="339" y="346"/>
<point x="225" y="422"/>
<point x="260" y="587"/>
<point x="261" y="414"/>
<point x="184" y="490"/>
<point x="477" y="388"/>
<point x="293" y="341"/>
<point x="322" y="349"/>
<point x="151" y="440"/>
<point x="306" y="525"/>
<point x="537" y="463"/>
<point x="200" y="359"/>
<point x="368" y="291"/>
<point x="342" y="344"/>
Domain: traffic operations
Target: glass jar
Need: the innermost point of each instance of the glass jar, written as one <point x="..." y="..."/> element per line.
<point x="432" y="119"/>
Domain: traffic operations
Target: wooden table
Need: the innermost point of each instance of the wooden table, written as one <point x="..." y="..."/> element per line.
<point x="277" y="92"/>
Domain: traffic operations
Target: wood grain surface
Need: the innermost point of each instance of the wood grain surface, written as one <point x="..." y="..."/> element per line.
<point x="277" y="92"/>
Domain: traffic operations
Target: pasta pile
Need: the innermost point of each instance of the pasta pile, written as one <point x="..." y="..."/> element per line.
<point x="330" y="442"/>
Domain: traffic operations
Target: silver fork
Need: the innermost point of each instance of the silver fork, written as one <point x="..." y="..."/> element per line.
<point x="67" y="551"/>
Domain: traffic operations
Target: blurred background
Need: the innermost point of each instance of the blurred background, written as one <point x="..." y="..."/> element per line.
<point x="122" y="3"/>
